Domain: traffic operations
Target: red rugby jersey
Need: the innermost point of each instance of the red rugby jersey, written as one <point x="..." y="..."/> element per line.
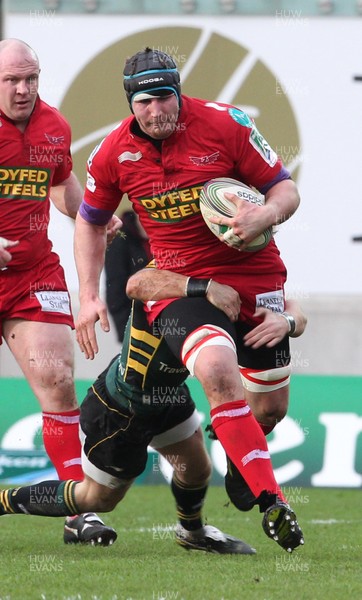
<point x="30" y="163"/>
<point x="211" y="140"/>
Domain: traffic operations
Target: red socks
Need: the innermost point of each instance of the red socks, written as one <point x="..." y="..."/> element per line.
<point x="62" y="443"/>
<point x="244" y="442"/>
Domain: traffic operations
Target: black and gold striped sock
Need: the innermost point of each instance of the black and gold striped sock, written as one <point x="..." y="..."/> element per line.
<point x="48" y="499"/>
<point x="189" y="503"/>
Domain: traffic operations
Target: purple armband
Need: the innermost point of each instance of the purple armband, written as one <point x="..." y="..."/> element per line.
<point x="94" y="216"/>
<point x="282" y="175"/>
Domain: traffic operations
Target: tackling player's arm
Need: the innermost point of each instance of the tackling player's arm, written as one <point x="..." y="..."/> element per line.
<point x="275" y="326"/>
<point x="153" y="284"/>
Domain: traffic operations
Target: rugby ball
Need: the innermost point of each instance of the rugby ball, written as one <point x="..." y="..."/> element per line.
<point x="214" y="204"/>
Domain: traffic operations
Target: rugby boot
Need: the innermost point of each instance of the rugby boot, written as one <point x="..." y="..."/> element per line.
<point x="211" y="539"/>
<point x="88" y="528"/>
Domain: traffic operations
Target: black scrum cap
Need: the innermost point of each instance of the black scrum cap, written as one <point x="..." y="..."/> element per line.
<point x="151" y="73"/>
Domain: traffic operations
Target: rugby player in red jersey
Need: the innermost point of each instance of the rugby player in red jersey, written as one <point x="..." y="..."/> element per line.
<point x="160" y="157"/>
<point x="35" y="311"/>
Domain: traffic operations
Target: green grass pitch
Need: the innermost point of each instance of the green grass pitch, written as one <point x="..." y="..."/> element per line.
<point x="146" y="564"/>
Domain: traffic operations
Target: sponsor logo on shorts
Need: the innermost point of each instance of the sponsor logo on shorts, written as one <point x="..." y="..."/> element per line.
<point x="272" y="300"/>
<point x="54" y="302"/>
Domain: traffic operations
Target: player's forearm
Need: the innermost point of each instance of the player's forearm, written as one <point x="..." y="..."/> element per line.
<point x="89" y="251"/>
<point x="154" y="284"/>
<point x="292" y="307"/>
<point x="151" y="284"/>
<point x="281" y="202"/>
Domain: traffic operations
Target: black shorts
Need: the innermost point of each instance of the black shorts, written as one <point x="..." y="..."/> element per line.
<point x="191" y="313"/>
<point x="115" y="440"/>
